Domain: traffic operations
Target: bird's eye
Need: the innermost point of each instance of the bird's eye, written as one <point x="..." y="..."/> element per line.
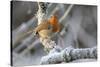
<point x="49" y="27"/>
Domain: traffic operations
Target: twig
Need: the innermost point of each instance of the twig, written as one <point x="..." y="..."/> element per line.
<point x="68" y="55"/>
<point x="29" y="47"/>
<point x="66" y="13"/>
<point x="20" y="33"/>
<point x="25" y="42"/>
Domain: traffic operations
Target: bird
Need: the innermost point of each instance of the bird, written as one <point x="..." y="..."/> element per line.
<point x="47" y="27"/>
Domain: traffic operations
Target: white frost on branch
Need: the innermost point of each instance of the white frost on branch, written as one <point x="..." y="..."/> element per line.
<point x="68" y="55"/>
<point x="48" y="44"/>
<point x="42" y="15"/>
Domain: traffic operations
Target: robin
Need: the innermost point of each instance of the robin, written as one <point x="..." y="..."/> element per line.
<point x="48" y="27"/>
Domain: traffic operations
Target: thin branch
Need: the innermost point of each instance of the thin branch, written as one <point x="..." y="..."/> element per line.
<point x="66" y="13"/>
<point x="29" y="47"/>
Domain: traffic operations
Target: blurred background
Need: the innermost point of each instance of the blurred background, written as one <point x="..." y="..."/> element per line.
<point x="80" y="29"/>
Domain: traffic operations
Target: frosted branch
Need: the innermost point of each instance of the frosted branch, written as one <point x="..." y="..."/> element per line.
<point x="42" y="15"/>
<point x="68" y="55"/>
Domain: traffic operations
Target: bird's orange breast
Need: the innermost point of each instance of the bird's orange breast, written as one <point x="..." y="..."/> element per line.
<point x="54" y="22"/>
